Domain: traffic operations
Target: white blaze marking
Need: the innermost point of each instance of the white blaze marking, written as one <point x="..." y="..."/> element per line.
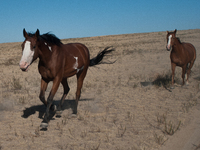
<point x="169" y="41"/>
<point x="27" y="55"/>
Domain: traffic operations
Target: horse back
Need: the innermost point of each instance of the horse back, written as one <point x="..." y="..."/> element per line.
<point x="76" y="58"/>
<point x="77" y="50"/>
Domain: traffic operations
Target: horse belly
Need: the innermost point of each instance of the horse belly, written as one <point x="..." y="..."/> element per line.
<point x="190" y="51"/>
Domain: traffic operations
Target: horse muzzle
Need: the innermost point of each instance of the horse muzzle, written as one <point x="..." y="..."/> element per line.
<point x="24" y="66"/>
<point x="168" y="48"/>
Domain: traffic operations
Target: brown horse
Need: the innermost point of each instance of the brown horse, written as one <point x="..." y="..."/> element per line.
<point x="182" y="54"/>
<point x="57" y="62"/>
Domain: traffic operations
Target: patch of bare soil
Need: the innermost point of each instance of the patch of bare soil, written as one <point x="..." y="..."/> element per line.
<point x="127" y="105"/>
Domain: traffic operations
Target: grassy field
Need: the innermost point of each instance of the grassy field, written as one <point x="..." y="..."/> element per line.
<point x="127" y="105"/>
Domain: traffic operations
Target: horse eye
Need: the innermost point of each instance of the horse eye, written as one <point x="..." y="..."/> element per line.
<point x="34" y="47"/>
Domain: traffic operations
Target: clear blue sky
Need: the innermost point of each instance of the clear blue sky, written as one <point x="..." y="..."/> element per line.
<point x="85" y="18"/>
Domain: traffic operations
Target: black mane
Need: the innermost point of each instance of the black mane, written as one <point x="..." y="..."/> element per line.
<point x="49" y="38"/>
<point x="178" y="39"/>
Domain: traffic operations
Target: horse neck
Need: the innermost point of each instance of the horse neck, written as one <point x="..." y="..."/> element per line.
<point x="46" y="53"/>
<point x="177" y="47"/>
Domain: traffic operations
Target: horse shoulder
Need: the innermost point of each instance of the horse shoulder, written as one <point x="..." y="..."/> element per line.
<point x="174" y="57"/>
<point x="54" y="66"/>
<point x="44" y="71"/>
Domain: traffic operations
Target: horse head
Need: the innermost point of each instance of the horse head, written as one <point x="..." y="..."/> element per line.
<point x="29" y="49"/>
<point x="170" y="39"/>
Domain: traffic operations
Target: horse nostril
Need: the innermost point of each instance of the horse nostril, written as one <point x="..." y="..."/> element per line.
<point x="23" y="65"/>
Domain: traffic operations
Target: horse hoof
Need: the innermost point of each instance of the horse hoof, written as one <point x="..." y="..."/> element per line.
<point x="73" y="115"/>
<point x="172" y="87"/>
<point x="58" y="114"/>
<point x="44" y="125"/>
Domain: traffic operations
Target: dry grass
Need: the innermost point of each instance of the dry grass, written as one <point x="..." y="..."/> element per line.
<point x="115" y="111"/>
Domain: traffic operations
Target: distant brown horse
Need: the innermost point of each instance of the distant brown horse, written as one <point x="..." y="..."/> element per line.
<point x="57" y="62"/>
<point x="182" y="54"/>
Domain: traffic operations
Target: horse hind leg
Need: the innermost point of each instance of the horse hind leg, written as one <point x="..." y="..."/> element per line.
<point x="173" y="66"/>
<point x="80" y="77"/>
<point x="188" y="72"/>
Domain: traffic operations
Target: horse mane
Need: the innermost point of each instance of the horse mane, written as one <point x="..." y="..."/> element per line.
<point x="51" y="39"/>
<point x="179" y="40"/>
<point x="48" y="37"/>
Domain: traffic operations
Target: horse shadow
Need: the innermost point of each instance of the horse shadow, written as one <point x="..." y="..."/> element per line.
<point x="159" y="81"/>
<point x="197" y="78"/>
<point x="67" y="104"/>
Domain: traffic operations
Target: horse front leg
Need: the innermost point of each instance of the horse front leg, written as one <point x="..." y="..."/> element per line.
<point x="42" y="93"/>
<point x="173" y="66"/>
<point x="56" y="83"/>
<point x="66" y="91"/>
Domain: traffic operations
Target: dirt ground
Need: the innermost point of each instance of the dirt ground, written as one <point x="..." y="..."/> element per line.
<point x="127" y="105"/>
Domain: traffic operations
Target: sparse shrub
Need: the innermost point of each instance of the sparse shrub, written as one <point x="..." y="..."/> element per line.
<point x="16" y="84"/>
<point x="65" y="120"/>
<point x="83" y="134"/>
<point x="10" y="61"/>
<point x="37" y="132"/>
<point x="95" y="147"/>
<point x="159" y="139"/>
<point x="161" y="119"/>
<point x="71" y="133"/>
<point x="94" y="128"/>
<point x="188" y="105"/>
<point x="170" y="128"/>
<point x="22" y="100"/>
<point x="130" y="117"/>
<point x="121" y="130"/>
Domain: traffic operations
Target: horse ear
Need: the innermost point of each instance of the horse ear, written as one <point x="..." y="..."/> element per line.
<point x="25" y="33"/>
<point x="37" y="33"/>
<point x="167" y="32"/>
<point x="175" y="31"/>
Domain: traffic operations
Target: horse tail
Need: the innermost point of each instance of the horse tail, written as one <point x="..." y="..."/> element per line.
<point x="98" y="59"/>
